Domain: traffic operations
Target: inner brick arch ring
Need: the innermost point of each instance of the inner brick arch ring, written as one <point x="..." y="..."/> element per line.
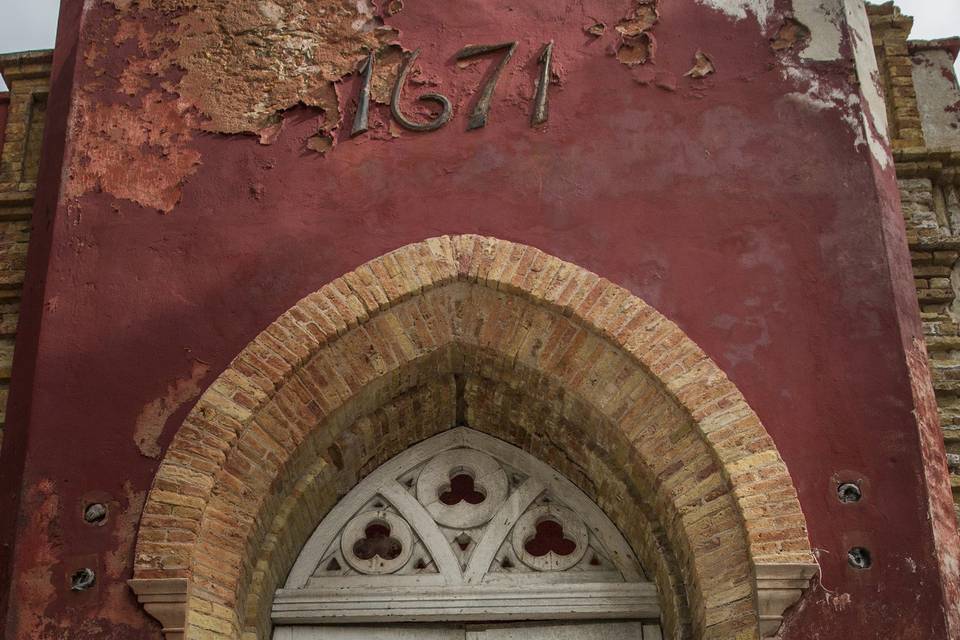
<point x="257" y="461"/>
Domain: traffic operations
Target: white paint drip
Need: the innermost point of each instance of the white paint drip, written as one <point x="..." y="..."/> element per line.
<point x="738" y="9"/>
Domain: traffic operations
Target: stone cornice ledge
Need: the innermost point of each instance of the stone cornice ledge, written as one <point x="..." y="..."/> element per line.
<point x="779" y="587"/>
<point x="166" y="600"/>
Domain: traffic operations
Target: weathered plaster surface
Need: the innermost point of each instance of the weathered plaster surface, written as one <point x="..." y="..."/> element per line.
<point x="228" y="67"/>
<point x="237" y="67"/>
<point x="825" y="21"/>
<point x="154" y="417"/>
<point x="873" y="110"/>
<point x="934" y="469"/>
<point x="834" y="29"/>
<point x="135" y="151"/>
<point x="938" y="97"/>
<point x="38" y="585"/>
<point x="740" y="9"/>
<point x="717" y="197"/>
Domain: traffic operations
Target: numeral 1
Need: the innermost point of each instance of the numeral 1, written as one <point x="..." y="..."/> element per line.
<point x="363" y="100"/>
<point x="540" y="104"/>
<point x="478" y="118"/>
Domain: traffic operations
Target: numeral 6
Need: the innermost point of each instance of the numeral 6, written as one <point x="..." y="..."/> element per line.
<point x="433" y="125"/>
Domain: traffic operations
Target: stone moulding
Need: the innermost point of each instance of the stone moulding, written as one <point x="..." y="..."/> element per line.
<point x="166" y="600"/>
<point x="684" y="440"/>
<point x="442" y="604"/>
<point x="779" y="586"/>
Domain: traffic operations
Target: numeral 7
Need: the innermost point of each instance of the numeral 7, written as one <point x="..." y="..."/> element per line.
<point x="478" y="118"/>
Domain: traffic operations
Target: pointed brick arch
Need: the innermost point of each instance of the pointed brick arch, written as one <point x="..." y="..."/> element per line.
<point x="527" y="347"/>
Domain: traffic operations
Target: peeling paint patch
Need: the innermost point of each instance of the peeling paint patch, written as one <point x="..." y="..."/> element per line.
<point x="874" y="109"/>
<point x="119" y="610"/>
<point x="740" y="9"/>
<point x="138" y="153"/>
<point x="863" y="110"/>
<point x="790" y="34"/>
<point x="636" y="43"/>
<point x="231" y="67"/>
<point x="154" y="416"/>
<point x="638" y="49"/>
<point x="820" y="96"/>
<point x="242" y="70"/>
<point x="702" y="66"/>
<point x="394" y="7"/>
<point x="596" y="29"/>
<point x="823" y="20"/>
<point x="385" y="72"/>
<point x="643" y="18"/>
<point x="124" y="524"/>
<point x="321" y="142"/>
<point x="35" y="587"/>
<point x="839" y="601"/>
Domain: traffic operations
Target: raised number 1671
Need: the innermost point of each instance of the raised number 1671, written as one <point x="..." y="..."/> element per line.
<point x="478" y="118"/>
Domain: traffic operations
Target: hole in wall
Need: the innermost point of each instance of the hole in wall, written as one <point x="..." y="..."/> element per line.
<point x="82" y="579"/>
<point x="849" y="492"/>
<point x="95" y="513"/>
<point x="859" y="558"/>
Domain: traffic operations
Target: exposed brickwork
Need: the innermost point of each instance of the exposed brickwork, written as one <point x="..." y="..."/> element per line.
<point x="930" y="196"/>
<point x="657" y="421"/>
<point x="929" y="190"/>
<point x="890" y="31"/>
<point x="28" y="77"/>
<point x="4" y="107"/>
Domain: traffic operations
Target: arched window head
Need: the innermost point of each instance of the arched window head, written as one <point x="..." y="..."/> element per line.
<point x="464" y="527"/>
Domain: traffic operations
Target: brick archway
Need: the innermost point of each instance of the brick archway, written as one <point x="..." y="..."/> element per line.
<point x="532" y="349"/>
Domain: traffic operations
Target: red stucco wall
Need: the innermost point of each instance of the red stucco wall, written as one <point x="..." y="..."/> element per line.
<point x="751" y="219"/>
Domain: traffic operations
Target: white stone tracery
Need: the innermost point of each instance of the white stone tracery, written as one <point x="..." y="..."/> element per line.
<point x="464" y="527"/>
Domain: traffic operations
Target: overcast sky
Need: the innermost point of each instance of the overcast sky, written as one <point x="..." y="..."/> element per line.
<point x="31" y="24"/>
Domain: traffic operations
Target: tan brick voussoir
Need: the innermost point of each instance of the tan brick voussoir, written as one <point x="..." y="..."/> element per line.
<point x="392" y="335"/>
